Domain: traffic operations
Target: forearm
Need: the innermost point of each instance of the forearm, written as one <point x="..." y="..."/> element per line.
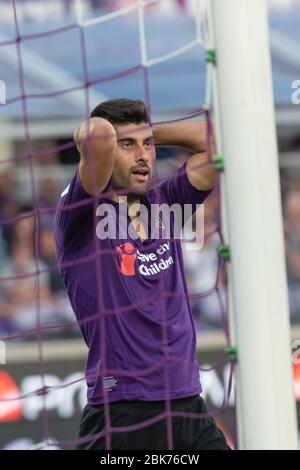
<point x="201" y="172"/>
<point x="94" y="138"/>
<point x="96" y="141"/>
<point x="191" y="135"/>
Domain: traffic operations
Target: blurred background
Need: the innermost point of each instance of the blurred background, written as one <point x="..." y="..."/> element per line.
<point x="45" y="57"/>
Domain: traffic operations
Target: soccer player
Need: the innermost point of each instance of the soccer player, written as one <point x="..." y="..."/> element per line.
<point x="128" y="290"/>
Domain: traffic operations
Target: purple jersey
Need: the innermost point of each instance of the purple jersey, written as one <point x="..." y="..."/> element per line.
<point x="130" y="298"/>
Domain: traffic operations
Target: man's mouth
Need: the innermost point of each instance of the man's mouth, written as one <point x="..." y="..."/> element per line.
<point x="141" y="174"/>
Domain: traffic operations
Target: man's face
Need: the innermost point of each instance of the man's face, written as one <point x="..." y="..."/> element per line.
<point x="135" y="158"/>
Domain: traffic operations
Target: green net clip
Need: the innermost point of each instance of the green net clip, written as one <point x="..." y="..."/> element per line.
<point x="224" y="252"/>
<point x="211" y="56"/>
<point x="231" y="352"/>
<point x="218" y="162"/>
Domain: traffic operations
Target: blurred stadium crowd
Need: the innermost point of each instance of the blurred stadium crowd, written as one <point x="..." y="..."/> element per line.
<point x="27" y="247"/>
<point x="35" y="10"/>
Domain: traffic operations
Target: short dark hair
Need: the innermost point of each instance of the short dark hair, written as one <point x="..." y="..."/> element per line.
<point x="122" y="111"/>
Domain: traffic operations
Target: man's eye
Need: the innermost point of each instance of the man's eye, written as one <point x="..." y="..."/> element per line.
<point x="148" y="145"/>
<point x="126" y="145"/>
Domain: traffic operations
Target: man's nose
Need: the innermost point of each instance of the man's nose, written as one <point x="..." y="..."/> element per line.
<point x="141" y="154"/>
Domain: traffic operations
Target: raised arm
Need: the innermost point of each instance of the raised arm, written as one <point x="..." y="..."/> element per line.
<point x="96" y="142"/>
<point x="191" y="135"/>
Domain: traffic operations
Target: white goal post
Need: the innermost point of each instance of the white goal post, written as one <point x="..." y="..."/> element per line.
<point x="245" y="118"/>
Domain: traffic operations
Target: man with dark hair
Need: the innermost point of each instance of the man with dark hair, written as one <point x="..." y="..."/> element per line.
<point x="122" y="111"/>
<point x="128" y="291"/>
